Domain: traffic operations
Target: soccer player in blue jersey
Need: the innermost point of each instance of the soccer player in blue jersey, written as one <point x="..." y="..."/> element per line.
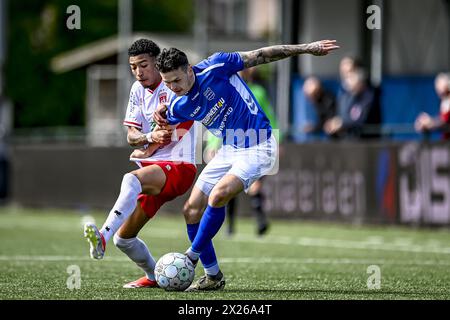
<point x="213" y="93"/>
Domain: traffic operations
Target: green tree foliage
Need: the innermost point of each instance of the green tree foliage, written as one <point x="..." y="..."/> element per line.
<point x="37" y="32"/>
<point x="163" y="15"/>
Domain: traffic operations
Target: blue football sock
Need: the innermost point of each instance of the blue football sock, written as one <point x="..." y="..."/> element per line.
<point x="210" y="224"/>
<point x="208" y="255"/>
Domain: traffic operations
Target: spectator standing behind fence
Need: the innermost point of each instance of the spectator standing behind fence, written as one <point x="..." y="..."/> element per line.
<point x="324" y="103"/>
<point x="425" y="123"/>
<point x="356" y="104"/>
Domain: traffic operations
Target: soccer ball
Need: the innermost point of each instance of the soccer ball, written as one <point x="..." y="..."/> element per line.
<point x="174" y="272"/>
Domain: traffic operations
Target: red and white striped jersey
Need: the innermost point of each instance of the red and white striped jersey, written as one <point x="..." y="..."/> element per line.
<point x="141" y="106"/>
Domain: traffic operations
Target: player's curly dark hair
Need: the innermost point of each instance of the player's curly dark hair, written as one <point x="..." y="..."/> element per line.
<point x="143" y="46"/>
<point x="171" y="59"/>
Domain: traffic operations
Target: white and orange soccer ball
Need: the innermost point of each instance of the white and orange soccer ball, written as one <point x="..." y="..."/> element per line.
<point x="174" y="272"/>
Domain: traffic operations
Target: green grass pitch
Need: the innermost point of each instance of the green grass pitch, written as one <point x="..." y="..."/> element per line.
<point x="296" y="260"/>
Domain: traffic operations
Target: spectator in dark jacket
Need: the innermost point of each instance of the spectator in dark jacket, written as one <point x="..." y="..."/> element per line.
<point x="356" y="105"/>
<point x="323" y="101"/>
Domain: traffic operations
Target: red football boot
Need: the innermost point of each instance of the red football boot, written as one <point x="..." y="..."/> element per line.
<point x="142" y="283"/>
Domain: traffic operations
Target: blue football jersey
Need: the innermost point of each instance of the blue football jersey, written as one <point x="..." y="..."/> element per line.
<point x="221" y="100"/>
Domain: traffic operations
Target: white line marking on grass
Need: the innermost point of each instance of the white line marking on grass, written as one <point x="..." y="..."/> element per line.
<point x="369" y="243"/>
<point x="42" y="258"/>
<point x="332" y="261"/>
<point x="244" y="260"/>
<point x="344" y="244"/>
<point x="375" y="243"/>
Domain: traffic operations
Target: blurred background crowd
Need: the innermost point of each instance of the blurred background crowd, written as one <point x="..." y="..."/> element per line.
<point x="64" y="75"/>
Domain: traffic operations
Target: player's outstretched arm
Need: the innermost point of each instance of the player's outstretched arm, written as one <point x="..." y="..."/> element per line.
<point x="278" y="52"/>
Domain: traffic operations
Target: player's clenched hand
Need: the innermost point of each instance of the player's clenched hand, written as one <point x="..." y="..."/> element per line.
<point x="160" y="115"/>
<point x="322" y="47"/>
<point x="162" y="134"/>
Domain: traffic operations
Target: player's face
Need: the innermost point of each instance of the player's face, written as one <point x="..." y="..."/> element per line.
<point x="144" y="70"/>
<point x="180" y="81"/>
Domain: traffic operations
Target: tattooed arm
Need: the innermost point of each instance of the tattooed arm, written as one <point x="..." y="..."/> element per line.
<point x="159" y="135"/>
<point x="136" y="138"/>
<point x="274" y="53"/>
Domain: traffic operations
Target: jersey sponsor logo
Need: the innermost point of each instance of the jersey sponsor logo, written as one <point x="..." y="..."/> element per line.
<point x="211" y="116"/>
<point x="168" y="167"/>
<point x="192" y="115"/>
<point x="224" y="120"/>
<point x="209" y="94"/>
<point x="133" y="102"/>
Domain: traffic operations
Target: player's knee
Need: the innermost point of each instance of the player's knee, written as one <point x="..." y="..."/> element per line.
<point x="131" y="180"/>
<point x="122" y="243"/>
<point x="130" y="176"/>
<point x="192" y="214"/>
<point x="219" y="197"/>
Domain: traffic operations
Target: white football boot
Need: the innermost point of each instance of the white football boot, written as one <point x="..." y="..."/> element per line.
<point x="96" y="241"/>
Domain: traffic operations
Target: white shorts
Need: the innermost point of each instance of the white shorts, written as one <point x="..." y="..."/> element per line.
<point x="248" y="164"/>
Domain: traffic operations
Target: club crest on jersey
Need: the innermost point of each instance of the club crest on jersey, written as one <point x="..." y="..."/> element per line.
<point x="162" y="97"/>
<point x="209" y="94"/>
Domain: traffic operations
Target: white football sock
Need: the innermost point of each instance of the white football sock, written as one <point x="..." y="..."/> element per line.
<point x="213" y="270"/>
<point x="137" y="251"/>
<point x="193" y="255"/>
<point x="124" y="206"/>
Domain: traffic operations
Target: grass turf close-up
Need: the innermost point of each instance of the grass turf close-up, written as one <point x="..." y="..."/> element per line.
<point x="296" y="260"/>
